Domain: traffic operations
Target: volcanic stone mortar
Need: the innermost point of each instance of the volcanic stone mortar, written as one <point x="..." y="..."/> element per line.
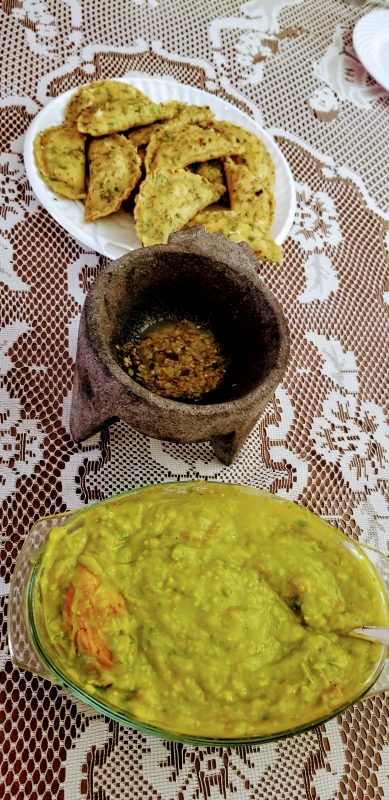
<point x="197" y="276"/>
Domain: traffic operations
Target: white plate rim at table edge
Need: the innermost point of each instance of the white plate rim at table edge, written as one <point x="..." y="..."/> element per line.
<point x="370" y="34"/>
<point x="114" y="236"/>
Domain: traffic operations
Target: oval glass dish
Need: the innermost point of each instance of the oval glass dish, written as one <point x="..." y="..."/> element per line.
<point x="222" y="606"/>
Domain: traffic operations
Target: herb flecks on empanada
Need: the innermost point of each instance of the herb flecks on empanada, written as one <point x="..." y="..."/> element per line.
<point x="114" y="171"/>
<point x="60" y="157"/>
<point x="216" y="219"/>
<point x="256" y="205"/>
<point x="179" y="145"/>
<point x="167" y="201"/>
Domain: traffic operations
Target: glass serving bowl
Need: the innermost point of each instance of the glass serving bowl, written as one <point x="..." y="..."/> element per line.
<point x="29" y="652"/>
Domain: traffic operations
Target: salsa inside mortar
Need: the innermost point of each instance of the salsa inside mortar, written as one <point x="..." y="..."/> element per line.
<point x="208" y="609"/>
<point x="179" y="359"/>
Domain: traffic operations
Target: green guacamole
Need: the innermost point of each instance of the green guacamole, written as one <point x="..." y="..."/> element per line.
<point x="208" y="609"/>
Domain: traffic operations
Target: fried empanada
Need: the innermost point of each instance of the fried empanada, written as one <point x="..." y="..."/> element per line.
<point x="94" y="97"/>
<point x="167" y="201"/>
<point x="178" y="145"/>
<point x="183" y="114"/>
<point x="91" y="94"/>
<point x="213" y="172"/>
<point x="217" y="219"/>
<point x="189" y="114"/>
<point x="121" y="111"/>
<point x="255" y="205"/>
<point x="254" y="155"/>
<point x="140" y="137"/>
<point x="114" y="171"/>
<point x="60" y="157"/>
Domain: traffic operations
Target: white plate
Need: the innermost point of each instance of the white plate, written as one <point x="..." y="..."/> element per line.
<point x="371" y="42"/>
<point x="115" y="235"/>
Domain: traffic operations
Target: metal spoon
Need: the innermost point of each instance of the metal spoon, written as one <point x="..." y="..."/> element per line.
<point x="374" y="633"/>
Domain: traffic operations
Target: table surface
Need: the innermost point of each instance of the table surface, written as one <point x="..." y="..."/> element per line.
<point x="323" y="439"/>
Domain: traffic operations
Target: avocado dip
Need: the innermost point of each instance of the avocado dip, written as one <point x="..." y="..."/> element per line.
<point x="208" y="609"/>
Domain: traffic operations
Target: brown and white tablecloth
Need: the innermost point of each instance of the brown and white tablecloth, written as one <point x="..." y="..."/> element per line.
<point x="323" y="440"/>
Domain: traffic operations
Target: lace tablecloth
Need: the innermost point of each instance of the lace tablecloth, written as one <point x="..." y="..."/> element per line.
<point x="323" y="440"/>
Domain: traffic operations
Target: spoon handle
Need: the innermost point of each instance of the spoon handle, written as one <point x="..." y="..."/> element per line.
<point x="373" y="632"/>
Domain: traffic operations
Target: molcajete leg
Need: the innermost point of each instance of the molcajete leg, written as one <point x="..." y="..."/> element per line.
<point x="87" y="413"/>
<point x="227" y="445"/>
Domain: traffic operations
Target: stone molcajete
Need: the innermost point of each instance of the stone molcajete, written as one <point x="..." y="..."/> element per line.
<point x="198" y="276"/>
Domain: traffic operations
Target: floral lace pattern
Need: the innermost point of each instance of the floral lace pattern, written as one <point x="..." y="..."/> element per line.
<point x="316" y="222"/>
<point x="322" y="441"/>
<point x="355" y="438"/>
<point x="17" y="196"/>
<point x="345" y="79"/>
<point x="21" y="443"/>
